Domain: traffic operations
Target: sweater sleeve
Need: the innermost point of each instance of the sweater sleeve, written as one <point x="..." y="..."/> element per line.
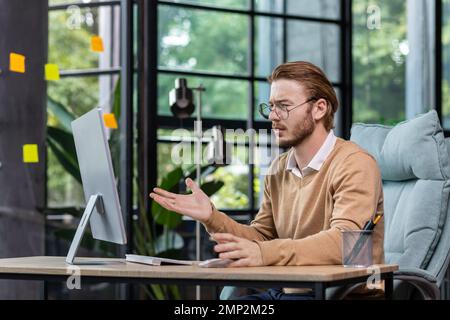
<point x="357" y="189"/>
<point x="262" y="228"/>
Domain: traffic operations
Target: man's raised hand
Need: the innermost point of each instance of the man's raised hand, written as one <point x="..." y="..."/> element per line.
<point x="195" y="205"/>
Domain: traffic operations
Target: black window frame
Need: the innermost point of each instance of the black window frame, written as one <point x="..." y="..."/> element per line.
<point x="438" y="60"/>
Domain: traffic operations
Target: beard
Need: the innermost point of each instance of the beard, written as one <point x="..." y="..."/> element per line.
<point x="299" y="133"/>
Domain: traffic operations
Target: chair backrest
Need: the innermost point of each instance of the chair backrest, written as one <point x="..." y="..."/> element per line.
<point x="440" y="261"/>
<point x="415" y="165"/>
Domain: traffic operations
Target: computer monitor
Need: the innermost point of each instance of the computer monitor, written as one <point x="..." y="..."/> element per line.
<point x="94" y="158"/>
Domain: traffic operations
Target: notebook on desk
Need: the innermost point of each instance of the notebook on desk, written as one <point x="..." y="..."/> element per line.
<point x="155" y="261"/>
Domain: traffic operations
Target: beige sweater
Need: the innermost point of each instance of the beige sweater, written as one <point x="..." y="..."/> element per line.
<point x="300" y="220"/>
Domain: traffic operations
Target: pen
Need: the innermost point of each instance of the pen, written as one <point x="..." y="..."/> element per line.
<point x="368" y="226"/>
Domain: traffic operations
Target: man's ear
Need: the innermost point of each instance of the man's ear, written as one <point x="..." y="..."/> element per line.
<point x="320" y="109"/>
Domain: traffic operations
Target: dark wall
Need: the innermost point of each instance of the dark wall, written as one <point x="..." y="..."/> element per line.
<point x="23" y="29"/>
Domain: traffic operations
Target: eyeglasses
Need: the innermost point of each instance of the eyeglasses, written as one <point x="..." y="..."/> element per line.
<point x="282" y="111"/>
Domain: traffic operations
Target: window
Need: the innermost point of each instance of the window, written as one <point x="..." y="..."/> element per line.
<point x="88" y="79"/>
<point x="231" y="47"/>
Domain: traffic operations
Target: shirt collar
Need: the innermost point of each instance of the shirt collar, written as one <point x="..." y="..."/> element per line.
<point x="318" y="159"/>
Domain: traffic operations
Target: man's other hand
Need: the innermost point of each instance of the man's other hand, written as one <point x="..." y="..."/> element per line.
<point x="245" y="252"/>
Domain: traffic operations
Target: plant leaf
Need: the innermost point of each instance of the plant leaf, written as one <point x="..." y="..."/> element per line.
<point x="171" y="180"/>
<point x="64" y="139"/>
<point x="116" y="102"/>
<point x="210" y="188"/>
<point x="65" y="161"/>
<point x="166" y="217"/>
<point x="62" y="144"/>
<point x="64" y="116"/>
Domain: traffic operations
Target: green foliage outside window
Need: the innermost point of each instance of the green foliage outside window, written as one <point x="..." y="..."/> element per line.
<point x="378" y="62"/>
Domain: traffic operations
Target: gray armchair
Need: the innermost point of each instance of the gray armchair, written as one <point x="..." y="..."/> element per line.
<point x="414" y="158"/>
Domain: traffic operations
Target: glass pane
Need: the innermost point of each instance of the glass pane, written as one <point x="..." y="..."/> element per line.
<point x="70" y="33"/>
<point x="164" y="165"/>
<point x="234" y="193"/>
<point x="446" y="65"/>
<point x="202" y="40"/>
<point x="274" y="6"/>
<point x="329" y="9"/>
<point x="54" y="2"/>
<point x="258" y="185"/>
<point x="226" y="99"/>
<point x="176" y="147"/>
<point x="338" y="115"/>
<point x="266" y="151"/>
<point x="262" y="95"/>
<point x="268" y="45"/>
<point x="379" y="53"/>
<point x="63" y="189"/>
<point x="81" y="94"/>
<point x="234" y="4"/>
<point x="317" y="43"/>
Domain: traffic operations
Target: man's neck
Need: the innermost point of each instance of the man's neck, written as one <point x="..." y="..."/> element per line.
<point x="307" y="149"/>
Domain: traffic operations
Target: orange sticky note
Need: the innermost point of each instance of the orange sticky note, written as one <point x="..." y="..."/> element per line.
<point x="16" y="62"/>
<point x="97" y="44"/>
<point x="51" y="72"/>
<point x="30" y="153"/>
<point x="110" y="120"/>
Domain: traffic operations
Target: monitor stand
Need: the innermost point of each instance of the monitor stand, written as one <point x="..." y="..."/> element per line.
<point x="95" y="201"/>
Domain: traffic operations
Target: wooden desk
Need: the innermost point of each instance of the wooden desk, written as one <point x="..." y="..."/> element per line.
<point x="317" y="278"/>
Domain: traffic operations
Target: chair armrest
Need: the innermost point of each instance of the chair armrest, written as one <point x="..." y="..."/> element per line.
<point x="416" y="272"/>
<point x="423" y="281"/>
<point x="420" y="279"/>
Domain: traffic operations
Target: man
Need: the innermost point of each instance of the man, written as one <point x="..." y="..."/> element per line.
<point x="321" y="186"/>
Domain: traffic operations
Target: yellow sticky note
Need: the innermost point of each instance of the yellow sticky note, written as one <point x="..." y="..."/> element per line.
<point x="51" y="72"/>
<point x="16" y="62"/>
<point x="30" y="153"/>
<point x="110" y="120"/>
<point x="97" y="44"/>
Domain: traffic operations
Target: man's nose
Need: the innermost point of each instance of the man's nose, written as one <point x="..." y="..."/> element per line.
<point x="273" y="116"/>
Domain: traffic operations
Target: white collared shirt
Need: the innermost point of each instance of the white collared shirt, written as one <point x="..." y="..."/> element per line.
<point x="316" y="162"/>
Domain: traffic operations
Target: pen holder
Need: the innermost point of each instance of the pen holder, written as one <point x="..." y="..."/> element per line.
<point x="357" y="248"/>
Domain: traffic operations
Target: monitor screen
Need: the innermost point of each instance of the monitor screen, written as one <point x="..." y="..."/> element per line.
<point x="97" y="176"/>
